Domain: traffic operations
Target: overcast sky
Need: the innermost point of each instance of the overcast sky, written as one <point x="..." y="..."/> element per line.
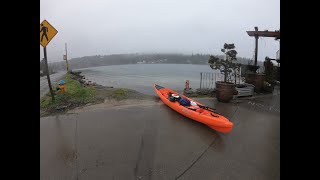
<point x="103" y="27"/>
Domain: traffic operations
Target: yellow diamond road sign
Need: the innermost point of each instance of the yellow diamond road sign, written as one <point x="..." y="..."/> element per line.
<point x="47" y="32"/>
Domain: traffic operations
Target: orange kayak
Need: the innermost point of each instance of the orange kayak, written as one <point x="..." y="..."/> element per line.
<point x="203" y="115"/>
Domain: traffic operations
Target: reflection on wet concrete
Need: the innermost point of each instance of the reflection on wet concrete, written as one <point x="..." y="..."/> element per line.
<point x="154" y="142"/>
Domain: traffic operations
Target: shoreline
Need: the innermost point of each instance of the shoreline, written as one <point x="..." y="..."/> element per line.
<point x="108" y="97"/>
<point x="102" y="96"/>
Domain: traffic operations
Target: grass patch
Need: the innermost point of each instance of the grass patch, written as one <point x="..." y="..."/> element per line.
<point x="119" y="94"/>
<point x="75" y="95"/>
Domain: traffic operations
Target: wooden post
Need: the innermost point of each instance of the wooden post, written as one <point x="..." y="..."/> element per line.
<point x="67" y="58"/>
<point x="187" y="85"/>
<point x="200" y="79"/>
<point x="256" y="49"/>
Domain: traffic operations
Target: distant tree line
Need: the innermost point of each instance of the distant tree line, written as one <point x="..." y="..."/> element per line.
<point x="119" y="59"/>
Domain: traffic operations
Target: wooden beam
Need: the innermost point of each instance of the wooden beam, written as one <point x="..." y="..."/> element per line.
<point x="275" y="34"/>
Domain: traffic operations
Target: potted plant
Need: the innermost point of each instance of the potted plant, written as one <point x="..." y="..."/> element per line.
<point x="270" y="75"/>
<point x="225" y="89"/>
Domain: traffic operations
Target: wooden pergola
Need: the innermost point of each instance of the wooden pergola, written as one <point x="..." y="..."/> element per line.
<point x="266" y="33"/>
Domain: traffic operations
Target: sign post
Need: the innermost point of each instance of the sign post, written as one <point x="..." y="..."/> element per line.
<point x="47" y="69"/>
<point x="47" y="32"/>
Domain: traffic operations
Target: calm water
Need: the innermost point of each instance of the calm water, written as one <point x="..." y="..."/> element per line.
<point x="141" y="77"/>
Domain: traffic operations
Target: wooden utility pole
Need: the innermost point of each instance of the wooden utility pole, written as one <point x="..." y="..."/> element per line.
<point x="66" y="58"/>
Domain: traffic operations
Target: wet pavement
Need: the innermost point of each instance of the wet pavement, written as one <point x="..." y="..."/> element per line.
<point x="154" y="142"/>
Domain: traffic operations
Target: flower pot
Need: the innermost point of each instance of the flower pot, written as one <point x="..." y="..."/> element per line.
<point x="225" y="91"/>
<point x="257" y="80"/>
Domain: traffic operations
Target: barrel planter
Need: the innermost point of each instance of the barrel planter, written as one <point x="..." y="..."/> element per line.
<point x="225" y="91"/>
<point x="257" y="80"/>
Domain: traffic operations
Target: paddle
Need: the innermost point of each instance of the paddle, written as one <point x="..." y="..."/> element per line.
<point x="208" y="108"/>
